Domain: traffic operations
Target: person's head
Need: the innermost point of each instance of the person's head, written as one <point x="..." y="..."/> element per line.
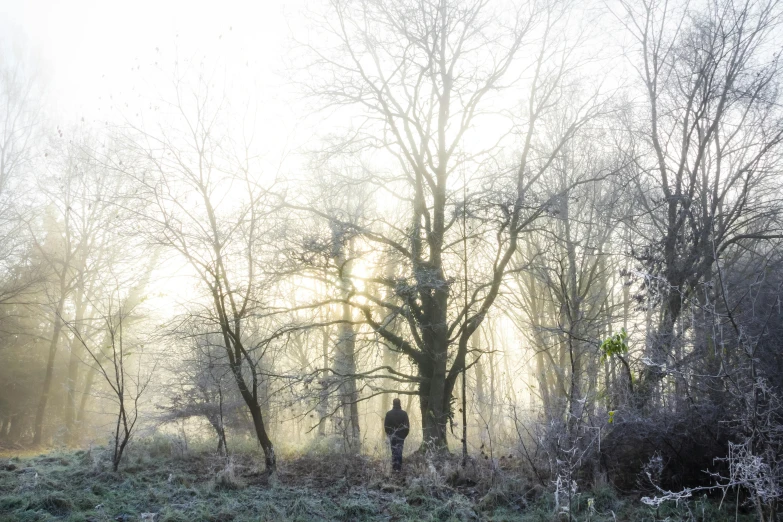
<point x="396" y="403"/>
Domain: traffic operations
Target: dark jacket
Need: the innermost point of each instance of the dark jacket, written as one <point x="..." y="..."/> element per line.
<point x="396" y="423"/>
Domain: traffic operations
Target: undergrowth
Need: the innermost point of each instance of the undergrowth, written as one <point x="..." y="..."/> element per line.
<point x="162" y="481"/>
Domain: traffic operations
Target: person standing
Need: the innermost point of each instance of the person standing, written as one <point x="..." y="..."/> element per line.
<point x="396" y="425"/>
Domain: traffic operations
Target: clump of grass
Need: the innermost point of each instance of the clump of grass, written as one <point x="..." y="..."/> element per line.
<point x="85" y="501"/>
<point x="303" y="508"/>
<point x="56" y="505"/>
<point x="226" y="479"/>
<point x="359" y="508"/>
<point x="605" y="499"/>
<point x="426" y="488"/>
<point x="265" y="511"/>
<point x="170" y="515"/>
<point x="157" y="447"/>
<point x="401" y="510"/>
<point x="85" y="458"/>
<point x="12" y="503"/>
<point x="457" y="508"/>
<point x="496" y="498"/>
<point x="306" y="505"/>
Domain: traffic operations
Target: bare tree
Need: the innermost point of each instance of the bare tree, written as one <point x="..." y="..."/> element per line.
<point x="421" y="77"/>
<point x="20" y="141"/>
<point x="560" y="287"/>
<point x="201" y="387"/>
<point x="121" y="366"/>
<point x="709" y="142"/>
<point x="76" y="237"/>
<point x="208" y="205"/>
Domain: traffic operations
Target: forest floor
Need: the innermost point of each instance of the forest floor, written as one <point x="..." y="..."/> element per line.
<point x="163" y="483"/>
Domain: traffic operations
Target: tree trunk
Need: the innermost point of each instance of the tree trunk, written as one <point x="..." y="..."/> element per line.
<point x="434" y="396"/>
<point x="659" y="344"/>
<point x="74" y="362"/>
<point x="270" y="458"/>
<point x="481" y="385"/>
<point x="16" y="429"/>
<point x="434" y="417"/>
<point x="258" y="420"/>
<point x="390" y="357"/>
<point x="345" y="356"/>
<point x="236" y="355"/>
<point x="345" y="366"/>
<point x="323" y="395"/>
<point x="57" y="326"/>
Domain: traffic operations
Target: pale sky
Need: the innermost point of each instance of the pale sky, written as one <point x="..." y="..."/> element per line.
<point x="92" y="49"/>
<point x="88" y="48"/>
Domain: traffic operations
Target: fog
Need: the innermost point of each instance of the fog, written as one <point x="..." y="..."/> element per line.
<point x="552" y="230"/>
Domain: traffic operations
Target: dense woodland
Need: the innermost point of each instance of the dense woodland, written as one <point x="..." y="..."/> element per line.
<point x="555" y="231"/>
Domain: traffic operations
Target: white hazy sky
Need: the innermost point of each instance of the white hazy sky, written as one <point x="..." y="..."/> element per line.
<point x="88" y="48"/>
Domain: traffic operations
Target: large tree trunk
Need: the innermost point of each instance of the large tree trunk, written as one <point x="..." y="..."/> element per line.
<point x="434" y="416"/>
<point x="434" y="397"/>
<point x="434" y="394"/>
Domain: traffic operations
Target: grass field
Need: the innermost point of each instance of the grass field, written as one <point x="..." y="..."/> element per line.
<point x="159" y="481"/>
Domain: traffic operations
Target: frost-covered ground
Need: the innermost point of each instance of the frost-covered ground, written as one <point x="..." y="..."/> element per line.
<point x="160" y="482"/>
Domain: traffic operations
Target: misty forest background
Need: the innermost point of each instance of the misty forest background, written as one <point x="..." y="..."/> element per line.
<point x="554" y="230"/>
